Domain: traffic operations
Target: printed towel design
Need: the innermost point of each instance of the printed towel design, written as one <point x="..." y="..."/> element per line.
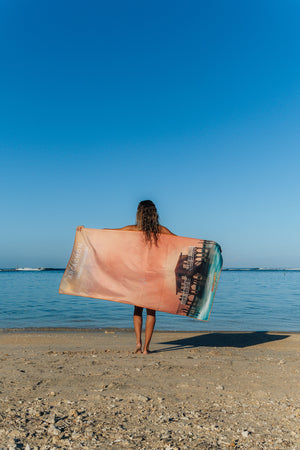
<point x="178" y="276"/>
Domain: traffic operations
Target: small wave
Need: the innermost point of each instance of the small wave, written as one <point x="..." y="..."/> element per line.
<point x="233" y="269"/>
<point x="263" y="269"/>
<point x="32" y="269"/>
<point x="274" y="269"/>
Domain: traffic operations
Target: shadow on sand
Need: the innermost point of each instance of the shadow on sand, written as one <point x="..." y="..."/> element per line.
<point x="238" y="340"/>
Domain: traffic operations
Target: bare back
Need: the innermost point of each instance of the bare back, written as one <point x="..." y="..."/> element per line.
<point x="162" y="229"/>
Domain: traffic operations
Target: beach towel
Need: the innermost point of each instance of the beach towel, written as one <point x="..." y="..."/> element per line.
<point x="179" y="275"/>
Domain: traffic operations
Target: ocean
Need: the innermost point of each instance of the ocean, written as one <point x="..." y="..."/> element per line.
<point x="246" y="300"/>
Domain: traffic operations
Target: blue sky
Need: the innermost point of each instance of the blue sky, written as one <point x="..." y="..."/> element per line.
<point x="192" y="104"/>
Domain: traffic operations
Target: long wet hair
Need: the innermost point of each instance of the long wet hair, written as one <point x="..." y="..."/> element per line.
<point x="147" y="220"/>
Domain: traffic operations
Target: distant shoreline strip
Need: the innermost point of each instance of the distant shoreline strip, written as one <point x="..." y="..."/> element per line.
<point x="112" y="330"/>
<point x="33" y="269"/>
<point x="55" y="269"/>
<point x="260" y="269"/>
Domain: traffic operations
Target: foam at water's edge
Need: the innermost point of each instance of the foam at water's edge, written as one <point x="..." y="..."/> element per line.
<point x="255" y="269"/>
<point x="31" y="269"/>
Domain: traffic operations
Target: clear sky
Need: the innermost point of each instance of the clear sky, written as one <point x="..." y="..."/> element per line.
<point x="192" y="104"/>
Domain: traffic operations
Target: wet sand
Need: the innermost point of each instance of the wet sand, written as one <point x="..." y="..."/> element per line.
<point x="85" y="389"/>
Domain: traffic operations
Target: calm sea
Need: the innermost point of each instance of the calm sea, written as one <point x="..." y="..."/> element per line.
<point x="253" y="300"/>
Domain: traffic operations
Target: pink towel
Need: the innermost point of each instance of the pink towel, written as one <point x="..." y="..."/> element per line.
<point x="177" y="276"/>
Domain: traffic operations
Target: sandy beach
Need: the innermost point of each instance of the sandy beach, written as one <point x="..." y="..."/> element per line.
<point x="85" y="389"/>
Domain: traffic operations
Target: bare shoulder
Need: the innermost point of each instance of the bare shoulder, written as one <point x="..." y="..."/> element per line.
<point x="165" y="230"/>
<point x="128" y="228"/>
<point x="162" y="229"/>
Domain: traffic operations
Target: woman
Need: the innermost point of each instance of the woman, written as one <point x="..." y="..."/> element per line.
<point x="147" y="220"/>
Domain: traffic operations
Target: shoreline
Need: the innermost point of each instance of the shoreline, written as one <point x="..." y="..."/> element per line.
<point x="130" y="330"/>
<point x="85" y="388"/>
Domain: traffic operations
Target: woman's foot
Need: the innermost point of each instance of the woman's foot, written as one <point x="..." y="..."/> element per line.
<point x="138" y="348"/>
<point x="146" y="351"/>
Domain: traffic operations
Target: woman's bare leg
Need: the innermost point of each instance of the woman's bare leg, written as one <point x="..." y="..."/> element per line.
<point x="150" y="323"/>
<point x="138" y="322"/>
